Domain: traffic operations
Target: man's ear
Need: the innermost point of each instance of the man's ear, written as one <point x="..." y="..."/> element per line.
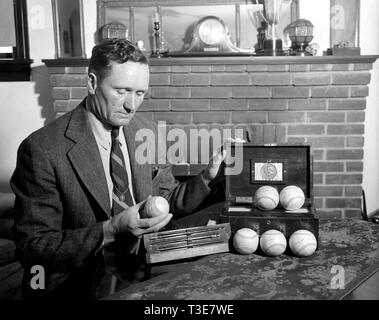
<point x="92" y="83"/>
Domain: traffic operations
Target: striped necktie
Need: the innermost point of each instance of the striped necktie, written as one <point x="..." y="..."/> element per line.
<point x="121" y="197"/>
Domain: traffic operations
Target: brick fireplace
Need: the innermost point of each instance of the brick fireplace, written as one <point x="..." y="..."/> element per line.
<point x="319" y="101"/>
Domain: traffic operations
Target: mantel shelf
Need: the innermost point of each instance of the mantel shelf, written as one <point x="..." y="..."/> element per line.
<point x="169" y="61"/>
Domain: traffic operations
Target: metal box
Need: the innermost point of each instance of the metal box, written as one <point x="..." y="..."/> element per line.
<point x="186" y="243"/>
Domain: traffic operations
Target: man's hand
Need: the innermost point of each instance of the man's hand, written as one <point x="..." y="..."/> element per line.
<point x="213" y="168"/>
<point x="129" y="221"/>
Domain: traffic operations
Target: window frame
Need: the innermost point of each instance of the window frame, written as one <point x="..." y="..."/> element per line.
<point x="18" y="68"/>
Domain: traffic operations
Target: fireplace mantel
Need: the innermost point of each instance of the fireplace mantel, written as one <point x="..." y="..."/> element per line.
<point x="319" y="101"/>
<point x="233" y="60"/>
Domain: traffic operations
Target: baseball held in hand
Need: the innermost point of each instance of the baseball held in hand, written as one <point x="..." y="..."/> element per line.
<point x="302" y="243"/>
<point x="245" y="241"/>
<point x="155" y="206"/>
<point x="266" y="198"/>
<point x="273" y="242"/>
<point x="292" y="198"/>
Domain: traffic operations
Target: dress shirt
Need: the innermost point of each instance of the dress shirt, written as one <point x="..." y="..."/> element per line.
<point x="104" y="143"/>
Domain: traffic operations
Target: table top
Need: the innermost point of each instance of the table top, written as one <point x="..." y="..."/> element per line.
<point x="348" y="254"/>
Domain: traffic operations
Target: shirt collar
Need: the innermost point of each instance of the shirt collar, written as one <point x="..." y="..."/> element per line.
<point x="102" y="134"/>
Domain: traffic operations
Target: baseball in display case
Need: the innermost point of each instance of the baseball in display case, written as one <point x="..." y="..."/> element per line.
<point x="272" y="191"/>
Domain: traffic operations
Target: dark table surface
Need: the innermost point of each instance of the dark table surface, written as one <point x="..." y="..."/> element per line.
<point x="348" y="255"/>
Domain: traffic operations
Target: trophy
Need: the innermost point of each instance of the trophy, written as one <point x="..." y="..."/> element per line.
<point x="300" y="32"/>
<point x="260" y="24"/>
<point x="157" y="35"/>
<point x="272" y="45"/>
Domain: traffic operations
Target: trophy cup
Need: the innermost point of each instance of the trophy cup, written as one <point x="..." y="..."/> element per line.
<point x="272" y="45"/>
<point x="260" y="24"/>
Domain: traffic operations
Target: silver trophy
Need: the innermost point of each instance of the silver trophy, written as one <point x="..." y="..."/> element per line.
<point x="269" y="14"/>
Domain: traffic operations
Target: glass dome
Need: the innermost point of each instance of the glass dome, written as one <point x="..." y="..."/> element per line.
<point x="300" y="31"/>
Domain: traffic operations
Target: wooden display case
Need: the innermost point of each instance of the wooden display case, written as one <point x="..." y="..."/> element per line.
<point x="285" y="165"/>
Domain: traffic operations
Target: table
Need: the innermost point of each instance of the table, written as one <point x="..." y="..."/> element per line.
<point x="347" y="257"/>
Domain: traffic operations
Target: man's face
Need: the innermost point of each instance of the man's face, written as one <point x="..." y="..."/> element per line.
<point x="116" y="98"/>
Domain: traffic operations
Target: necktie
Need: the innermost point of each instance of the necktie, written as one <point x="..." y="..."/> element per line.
<point x="121" y="197"/>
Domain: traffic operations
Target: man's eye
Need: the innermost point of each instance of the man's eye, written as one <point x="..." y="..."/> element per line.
<point x="121" y="91"/>
<point x="140" y="93"/>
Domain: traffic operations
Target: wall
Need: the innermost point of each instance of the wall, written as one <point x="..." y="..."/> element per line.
<point x="318" y="12"/>
<point x="21" y="118"/>
<point x="90" y="25"/>
<point x="369" y="42"/>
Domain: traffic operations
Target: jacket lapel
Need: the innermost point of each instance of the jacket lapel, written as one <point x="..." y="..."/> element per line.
<point x="85" y="157"/>
<point x="141" y="174"/>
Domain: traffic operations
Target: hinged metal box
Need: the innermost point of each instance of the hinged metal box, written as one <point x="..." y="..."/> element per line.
<point x="273" y="165"/>
<point x="186" y="243"/>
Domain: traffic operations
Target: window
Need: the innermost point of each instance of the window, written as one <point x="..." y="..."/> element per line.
<point x="69" y="28"/>
<point x="14" y="42"/>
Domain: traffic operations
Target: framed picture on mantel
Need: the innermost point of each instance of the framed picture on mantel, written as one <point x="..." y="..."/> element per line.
<point x="344" y="27"/>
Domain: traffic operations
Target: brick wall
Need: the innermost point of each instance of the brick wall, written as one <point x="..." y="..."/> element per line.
<point x="319" y="101"/>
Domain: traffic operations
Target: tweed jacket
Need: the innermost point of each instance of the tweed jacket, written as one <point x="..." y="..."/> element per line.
<point x="62" y="199"/>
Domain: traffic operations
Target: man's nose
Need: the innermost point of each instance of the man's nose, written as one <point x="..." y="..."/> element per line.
<point x="130" y="101"/>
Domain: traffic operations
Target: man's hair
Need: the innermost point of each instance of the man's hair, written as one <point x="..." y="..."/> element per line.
<point x="117" y="50"/>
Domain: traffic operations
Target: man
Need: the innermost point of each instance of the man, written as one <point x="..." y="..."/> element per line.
<point x="79" y="186"/>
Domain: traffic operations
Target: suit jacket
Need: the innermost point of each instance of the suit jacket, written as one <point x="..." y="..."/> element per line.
<point x="62" y="200"/>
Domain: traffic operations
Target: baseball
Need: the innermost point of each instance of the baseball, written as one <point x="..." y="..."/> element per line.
<point x="154" y="206"/>
<point x="302" y="243"/>
<point x="266" y="198"/>
<point x="273" y="242"/>
<point x="245" y="241"/>
<point x="292" y="198"/>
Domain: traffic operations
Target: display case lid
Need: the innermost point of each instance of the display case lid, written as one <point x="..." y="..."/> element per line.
<point x="274" y="165"/>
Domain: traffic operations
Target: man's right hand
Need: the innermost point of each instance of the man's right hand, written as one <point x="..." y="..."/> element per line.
<point x="129" y="222"/>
